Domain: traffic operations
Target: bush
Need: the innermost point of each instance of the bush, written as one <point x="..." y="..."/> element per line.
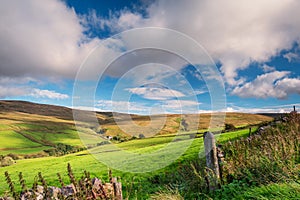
<point x="116" y="138"/>
<point x="62" y="149"/>
<point x="133" y="138"/>
<point x="103" y="143"/>
<point x="6" y="161"/>
<point x="100" y="130"/>
<point x="141" y="136"/>
<point x="229" y="127"/>
<point x="13" y="156"/>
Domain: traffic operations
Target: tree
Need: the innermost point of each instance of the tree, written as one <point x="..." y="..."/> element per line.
<point x="229" y="127"/>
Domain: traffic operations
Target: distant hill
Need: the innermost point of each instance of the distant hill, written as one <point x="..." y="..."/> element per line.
<point x="27" y="128"/>
<point x="35" y="108"/>
<point x="273" y="115"/>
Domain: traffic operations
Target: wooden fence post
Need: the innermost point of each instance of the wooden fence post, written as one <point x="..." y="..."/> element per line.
<point x="213" y="172"/>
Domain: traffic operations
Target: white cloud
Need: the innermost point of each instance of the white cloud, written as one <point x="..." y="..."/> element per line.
<point x="126" y="20"/>
<point x="230" y="109"/>
<point x="37" y="93"/>
<point x="291" y="56"/>
<point x="18" y="91"/>
<point x="41" y="38"/>
<point x="13" y="91"/>
<point x="156" y="93"/>
<point x="122" y="106"/>
<point x="6" y="81"/>
<point x="198" y="92"/>
<point x="269" y="109"/>
<point x="26" y="86"/>
<point x="181" y="104"/>
<point x="274" y="84"/>
<point x="116" y="21"/>
<point x="154" y="64"/>
<point x="235" y="33"/>
<point x="267" y="68"/>
<point x="288" y="86"/>
<point x="162" y="107"/>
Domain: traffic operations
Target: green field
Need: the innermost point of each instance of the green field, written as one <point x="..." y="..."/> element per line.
<point x="10" y="140"/>
<point x="23" y="133"/>
<point x="81" y="161"/>
<point x="29" y="129"/>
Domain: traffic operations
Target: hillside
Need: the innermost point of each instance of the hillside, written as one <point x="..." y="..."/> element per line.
<point x="27" y="128"/>
<point x="25" y="131"/>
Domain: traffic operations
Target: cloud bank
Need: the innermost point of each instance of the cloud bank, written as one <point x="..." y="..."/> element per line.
<point x="235" y="33"/>
<point x="48" y="39"/>
<point x="17" y="91"/>
<point x="41" y="38"/>
<point x="275" y="84"/>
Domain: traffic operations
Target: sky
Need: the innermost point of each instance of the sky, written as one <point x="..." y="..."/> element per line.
<point x="147" y="57"/>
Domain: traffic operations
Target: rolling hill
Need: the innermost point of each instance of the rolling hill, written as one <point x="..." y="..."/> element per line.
<point x="30" y="128"/>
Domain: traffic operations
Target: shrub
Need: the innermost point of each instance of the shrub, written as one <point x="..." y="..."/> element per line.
<point x="116" y="138"/>
<point x="62" y="149"/>
<point x="7" y="161"/>
<point x="141" y="136"/>
<point x="229" y="127"/>
<point x="103" y="143"/>
<point x="133" y="138"/>
<point x="13" y="156"/>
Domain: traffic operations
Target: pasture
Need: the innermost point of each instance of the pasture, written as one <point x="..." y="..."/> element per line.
<point x="81" y="161"/>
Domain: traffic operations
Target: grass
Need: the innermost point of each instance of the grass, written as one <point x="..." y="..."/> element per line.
<point x="258" y="167"/>
<point x="81" y="161"/>
<point x="275" y="191"/>
<point x="29" y="133"/>
<point x="239" y="133"/>
<point x="240" y="191"/>
<point x="281" y="191"/>
<point x="24" y="151"/>
<point x="268" y="157"/>
<point x="48" y="125"/>
<point x="12" y="140"/>
<point x="23" y="133"/>
<point x="32" y="130"/>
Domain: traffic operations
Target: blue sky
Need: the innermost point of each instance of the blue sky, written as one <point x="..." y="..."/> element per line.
<point x="252" y="48"/>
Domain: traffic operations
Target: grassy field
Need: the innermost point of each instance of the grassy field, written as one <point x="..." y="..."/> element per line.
<point x="81" y="161"/>
<point x="27" y="128"/>
<point x="27" y="133"/>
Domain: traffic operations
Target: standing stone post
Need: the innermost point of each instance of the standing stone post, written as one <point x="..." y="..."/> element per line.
<point x="117" y="189"/>
<point x="213" y="172"/>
